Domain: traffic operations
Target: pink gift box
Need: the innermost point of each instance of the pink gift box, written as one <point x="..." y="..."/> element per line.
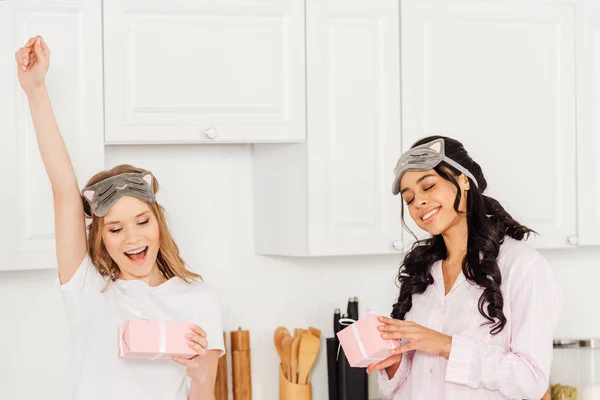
<point x="363" y="344"/>
<point x="154" y="339"/>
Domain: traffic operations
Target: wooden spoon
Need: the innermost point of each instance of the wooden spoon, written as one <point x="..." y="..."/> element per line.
<point x="307" y="355"/>
<point x="286" y="350"/>
<point x="278" y="336"/>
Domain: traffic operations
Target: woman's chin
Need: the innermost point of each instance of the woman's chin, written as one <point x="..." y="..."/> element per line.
<point x="433" y="229"/>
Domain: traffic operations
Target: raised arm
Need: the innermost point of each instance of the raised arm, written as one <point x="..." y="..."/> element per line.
<point x="33" y="61"/>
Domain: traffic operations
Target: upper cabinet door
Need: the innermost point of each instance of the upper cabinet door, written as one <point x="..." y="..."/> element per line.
<point x="353" y="125"/>
<point x="193" y="71"/>
<point x="72" y="29"/>
<point x="332" y="194"/>
<point x="476" y="70"/>
<point x="588" y="122"/>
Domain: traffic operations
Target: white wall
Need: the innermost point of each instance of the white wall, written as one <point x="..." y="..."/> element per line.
<point x="210" y="210"/>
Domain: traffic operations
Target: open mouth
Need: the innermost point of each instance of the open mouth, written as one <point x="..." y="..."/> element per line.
<point x="430" y="215"/>
<point x="137" y="256"/>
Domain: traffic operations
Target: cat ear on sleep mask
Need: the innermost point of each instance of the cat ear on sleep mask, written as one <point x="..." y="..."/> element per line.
<point x="103" y="195"/>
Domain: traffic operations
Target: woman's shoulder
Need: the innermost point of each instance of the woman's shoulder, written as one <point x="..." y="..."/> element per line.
<point x="519" y="257"/>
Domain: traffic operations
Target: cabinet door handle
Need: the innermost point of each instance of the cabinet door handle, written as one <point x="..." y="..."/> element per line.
<point x="397" y="245"/>
<point x="573" y="239"/>
<point x="211" y="133"/>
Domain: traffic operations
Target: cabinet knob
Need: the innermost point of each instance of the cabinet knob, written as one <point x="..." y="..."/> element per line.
<point x="397" y="245"/>
<point x="573" y="239"/>
<point x="211" y="133"/>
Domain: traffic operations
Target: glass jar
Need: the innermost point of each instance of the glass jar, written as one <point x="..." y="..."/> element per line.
<point x="564" y="376"/>
<point x="589" y="369"/>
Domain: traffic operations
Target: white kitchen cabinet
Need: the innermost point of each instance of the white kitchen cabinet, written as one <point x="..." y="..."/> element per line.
<point x="332" y="194"/>
<point x="588" y="123"/>
<point x="499" y="76"/>
<point x="200" y="71"/>
<point x="72" y="29"/>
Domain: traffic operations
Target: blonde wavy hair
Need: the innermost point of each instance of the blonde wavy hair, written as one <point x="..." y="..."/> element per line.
<point x="168" y="259"/>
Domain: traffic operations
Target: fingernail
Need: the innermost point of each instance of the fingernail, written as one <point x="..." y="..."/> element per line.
<point x="384" y="335"/>
<point x="26" y="62"/>
<point x="191" y="343"/>
<point x="189" y="335"/>
<point x="24" y="68"/>
<point x="380" y="327"/>
<point x="37" y="42"/>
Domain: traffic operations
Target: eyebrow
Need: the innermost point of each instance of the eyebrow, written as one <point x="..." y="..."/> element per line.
<point x="418" y="181"/>
<point x="137" y="216"/>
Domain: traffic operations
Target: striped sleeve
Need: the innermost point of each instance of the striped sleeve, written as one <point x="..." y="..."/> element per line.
<point x="389" y="387"/>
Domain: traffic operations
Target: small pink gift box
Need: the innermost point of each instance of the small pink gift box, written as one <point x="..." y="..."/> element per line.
<point x="154" y="339"/>
<point x="363" y="344"/>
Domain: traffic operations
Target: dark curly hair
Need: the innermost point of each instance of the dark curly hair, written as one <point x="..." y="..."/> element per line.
<point x="488" y="223"/>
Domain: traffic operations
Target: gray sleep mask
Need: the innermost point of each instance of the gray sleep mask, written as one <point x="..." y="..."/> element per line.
<point x="422" y="158"/>
<point x="103" y="195"/>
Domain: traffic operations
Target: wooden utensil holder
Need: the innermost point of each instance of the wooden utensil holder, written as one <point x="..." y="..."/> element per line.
<point x="292" y="391"/>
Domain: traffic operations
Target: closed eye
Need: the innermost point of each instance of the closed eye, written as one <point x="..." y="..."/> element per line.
<point x="117" y="230"/>
<point x="429" y="187"/>
<point x="144" y="222"/>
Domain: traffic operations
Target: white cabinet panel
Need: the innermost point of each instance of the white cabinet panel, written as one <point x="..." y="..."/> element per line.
<point x="499" y="76"/>
<point x="72" y="29"/>
<point x="189" y="71"/>
<point x="332" y="195"/>
<point x="588" y="123"/>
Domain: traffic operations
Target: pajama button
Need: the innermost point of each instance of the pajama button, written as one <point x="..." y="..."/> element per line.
<point x="430" y="370"/>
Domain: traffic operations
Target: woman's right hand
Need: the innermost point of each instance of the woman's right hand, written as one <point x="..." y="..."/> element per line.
<point x="391" y="365"/>
<point x="33" y="61"/>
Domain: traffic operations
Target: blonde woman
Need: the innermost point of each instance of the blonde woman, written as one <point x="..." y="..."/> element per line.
<point x="126" y="266"/>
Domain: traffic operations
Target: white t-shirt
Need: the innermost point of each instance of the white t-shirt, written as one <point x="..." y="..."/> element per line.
<point x="97" y="372"/>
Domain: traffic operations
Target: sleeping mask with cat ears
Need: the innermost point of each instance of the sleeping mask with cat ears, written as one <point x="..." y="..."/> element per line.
<point x="422" y="158"/>
<point x="103" y="195"/>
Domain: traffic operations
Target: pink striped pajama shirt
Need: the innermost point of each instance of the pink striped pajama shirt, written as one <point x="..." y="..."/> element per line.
<point x="514" y="364"/>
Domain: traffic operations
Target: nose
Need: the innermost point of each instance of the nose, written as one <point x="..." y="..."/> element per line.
<point x="131" y="236"/>
<point x="421" y="201"/>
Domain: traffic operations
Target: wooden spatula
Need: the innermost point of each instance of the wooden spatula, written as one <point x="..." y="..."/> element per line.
<point x="316" y="332"/>
<point x="294" y="364"/>
<point x="298" y="332"/>
<point x="286" y="358"/>
<point x="307" y="355"/>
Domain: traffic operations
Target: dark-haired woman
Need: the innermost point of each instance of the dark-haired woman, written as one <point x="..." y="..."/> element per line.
<point x="477" y="307"/>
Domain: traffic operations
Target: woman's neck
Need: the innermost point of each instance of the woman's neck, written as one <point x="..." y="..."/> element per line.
<point x="155" y="277"/>
<point x="456" y="239"/>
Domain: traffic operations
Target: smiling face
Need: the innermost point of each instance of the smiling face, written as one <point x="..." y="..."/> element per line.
<point x="430" y="200"/>
<point x="131" y="235"/>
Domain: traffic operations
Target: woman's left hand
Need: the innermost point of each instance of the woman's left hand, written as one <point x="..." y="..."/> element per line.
<point x="197" y="366"/>
<point x="420" y="338"/>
